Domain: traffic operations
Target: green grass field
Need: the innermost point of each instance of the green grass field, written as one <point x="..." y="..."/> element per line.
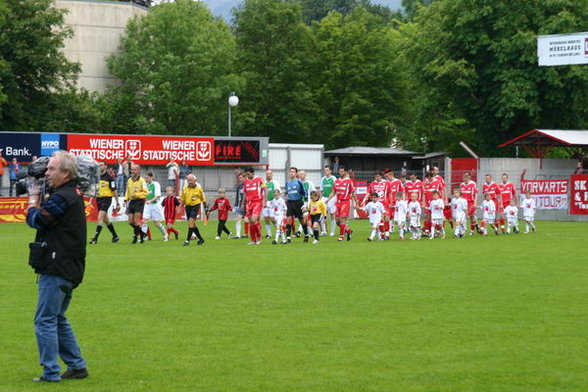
<point x="505" y="313"/>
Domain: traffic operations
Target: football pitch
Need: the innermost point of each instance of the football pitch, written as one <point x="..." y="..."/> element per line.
<point x="507" y="313"/>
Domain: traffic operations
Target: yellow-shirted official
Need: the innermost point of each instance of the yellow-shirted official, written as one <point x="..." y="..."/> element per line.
<point x="136" y="189"/>
<point x="105" y="188"/>
<point x="192" y="196"/>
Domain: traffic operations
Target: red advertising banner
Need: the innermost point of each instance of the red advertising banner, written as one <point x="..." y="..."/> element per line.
<point x="579" y="194"/>
<point x="14" y="209"/>
<point x="548" y="194"/>
<point x="144" y="150"/>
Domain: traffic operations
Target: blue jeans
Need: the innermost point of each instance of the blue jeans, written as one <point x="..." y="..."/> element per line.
<point x="54" y="334"/>
<point x="120" y="184"/>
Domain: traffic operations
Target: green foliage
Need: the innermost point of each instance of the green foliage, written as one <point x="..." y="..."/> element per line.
<point x="176" y="71"/>
<point x="358" y="83"/>
<point x="34" y="73"/>
<point x="478" y="59"/>
<point x="273" y="52"/>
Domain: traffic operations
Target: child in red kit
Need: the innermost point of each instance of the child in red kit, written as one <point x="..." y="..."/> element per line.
<point x="170" y="205"/>
<point x="223" y="205"/>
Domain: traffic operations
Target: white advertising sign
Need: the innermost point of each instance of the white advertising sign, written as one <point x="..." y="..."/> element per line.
<point x="562" y="49"/>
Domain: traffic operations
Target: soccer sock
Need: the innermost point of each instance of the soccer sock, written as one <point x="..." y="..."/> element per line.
<point x="341" y="229"/>
<point x="323" y="226"/>
<point x="252" y="233"/>
<point x="433" y="231"/>
<point x="472" y="225"/>
<point x="161" y="229"/>
<point x="373" y="234"/>
<point x="333" y="226"/>
<point x="110" y="227"/>
<point x="148" y="232"/>
<point x="502" y="224"/>
<point x="288" y="229"/>
<point x="401" y="231"/>
<point x="197" y="232"/>
<point x="258" y="230"/>
<point x="268" y="229"/>
<point x="98" y="230"/>
<point x="304" y="228"/>
<point x="173" y="230"/>
<point x="316" y="233"/>
<point x="246" y="228"/>
<point x="189" y="236"/>
<point x="238" y="228"/>
<point x="225" y="229"/>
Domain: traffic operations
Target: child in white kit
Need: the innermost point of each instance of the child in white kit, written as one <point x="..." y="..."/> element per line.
<point x="512" y="217"/>
<point x="400" y="213"/>
<point x="375" y="210"/>
<point x="489" y="209"/>
<point x="414" y="212"/>
<point x="278" y="206"/>
<point x="459" y="208"/>
<point x="529" y="212"/>
<point x="437" y="206"/>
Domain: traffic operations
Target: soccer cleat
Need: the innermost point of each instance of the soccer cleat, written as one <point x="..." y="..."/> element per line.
<point x="332" y="235"/>
<point x="284" y="242"/>
<point x="43" y="379"/>
<point x="305" y="238"/>
<point x="177" y="235"/>
<point x="369" y="239"/>
<point x="186" y="243"/>
<point x="323" y="234"/>
<point x="349" y="232"/>
<point x="200" y="241"/>
<point x="165" y="238"/>
<point x="288" y="240"/>
<point x="134" y="240"/>
<point x="268" y="236"/>
<point x="251" y="243"/>
<point x="315" y="241"/>
<point x="237" y="237"/>
<point x="258" y="243"/>
<point x="94" y="241"/>
<point x="274" y="242"/>
<point x="340" y="239"/>
<point x="217" y="238"/>
<point x="115" y="240"/>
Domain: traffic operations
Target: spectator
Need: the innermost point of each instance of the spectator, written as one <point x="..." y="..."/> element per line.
<point x="335" y="166"/>
<point x="120" y="177"/>
<point x="184" y="171"/>
<point x="2" y="164"/>
<point x="172" y="173"/>
<point x="13" y="169"/>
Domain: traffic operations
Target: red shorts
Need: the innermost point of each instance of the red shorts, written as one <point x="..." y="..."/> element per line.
<point x="500" y="207"/>
<point x="170" y="221"/>
<point x="447" y="213"/>
<point x="471" y="209"/>
<point x="390" y="211"/>
<point x="253" y="208"/>
<point x="342" y="208"/>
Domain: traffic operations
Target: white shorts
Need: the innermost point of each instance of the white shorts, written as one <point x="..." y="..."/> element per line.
<point x="375" y="222"/>
<point x="267" y="212"/>
<point x="513" y="222"/>
<point x="330" y="205"/>
<point x="279" y="220"/>
<point x="437" y="221"/>
<point x="490" y="221"/>
<point x="529" y="218"/>
<point x="153" y="212"/>
<point x="400" y="220"/>
<point x="460" y="218"/>
<point x="415" y="221"/>
<point x="488" y="218"/>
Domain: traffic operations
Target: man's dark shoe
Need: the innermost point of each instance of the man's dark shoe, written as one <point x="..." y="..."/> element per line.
<point x="43" y="379"/>
<point x="115" y="240"/>
<point x="200" y="241"/>
<point x="94" y="241"/>
<point x="74" y="373"/>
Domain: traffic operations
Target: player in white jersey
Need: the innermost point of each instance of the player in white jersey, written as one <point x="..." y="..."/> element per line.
<point x="414" y="211"/>
<point x="327" y="186"/>
<point x="512" y="217"/>
<point x="489" y="209"/>
<point x="278" y="206"/>
<point x="436" y="206"/>
<point x="529" y="212"/>
<point x="400" y="213"/>
<point x="376" y="211"/>
<point x="459" y="209"/>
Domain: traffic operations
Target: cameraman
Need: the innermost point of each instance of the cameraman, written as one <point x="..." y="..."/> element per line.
<point x="58" y="255"/>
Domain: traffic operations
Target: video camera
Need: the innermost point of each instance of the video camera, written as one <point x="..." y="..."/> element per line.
<point x="88" y="175"/>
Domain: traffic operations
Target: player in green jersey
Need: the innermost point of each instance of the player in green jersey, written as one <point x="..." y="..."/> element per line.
<point x="268" y="214"/>
<point x="327" y="185"/>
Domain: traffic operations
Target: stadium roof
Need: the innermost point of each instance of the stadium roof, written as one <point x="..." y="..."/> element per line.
<point x="548" y="138"/>
<point x="362" y="150"/>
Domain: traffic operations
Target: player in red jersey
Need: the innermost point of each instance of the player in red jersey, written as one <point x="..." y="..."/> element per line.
<point x="170" y="205"/>
<point x="254" y="189"/>
<point x="413" y="186"/>
<point x="430" y="186"/>
<point x="345" y="193"/>
<point x="441" y="180"/>
<point x="469" y="191"/>
<point x="382" y="188"/>
<point x="395" y="186"/>
<point x="508" y="192"/>
<point x="223" y="205"/>
<point x="491" y="188"/>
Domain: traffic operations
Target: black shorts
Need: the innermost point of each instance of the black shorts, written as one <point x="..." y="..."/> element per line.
<point x="136" y="206"/>
<point x="103" y="203"/>
<point x="192" y="211"/>
<point x="294" y="208"/>
<point x="316" y="218"/>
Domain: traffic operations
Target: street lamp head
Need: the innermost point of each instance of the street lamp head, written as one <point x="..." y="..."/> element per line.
<point x="233" y="100"/>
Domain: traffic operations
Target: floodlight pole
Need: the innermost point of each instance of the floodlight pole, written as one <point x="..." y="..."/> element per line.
<point x="233" y="101"/>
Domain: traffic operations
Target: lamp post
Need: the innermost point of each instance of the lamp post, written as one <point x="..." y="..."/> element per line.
<point x="233" y="101"/>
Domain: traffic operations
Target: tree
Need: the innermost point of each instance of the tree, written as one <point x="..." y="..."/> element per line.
<point x="34" y="73"/>
<point x="273" y="52"/>
<point x="176" y="70"/>
<point x="478" y="59"/>
<point x="359" y="86"/>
